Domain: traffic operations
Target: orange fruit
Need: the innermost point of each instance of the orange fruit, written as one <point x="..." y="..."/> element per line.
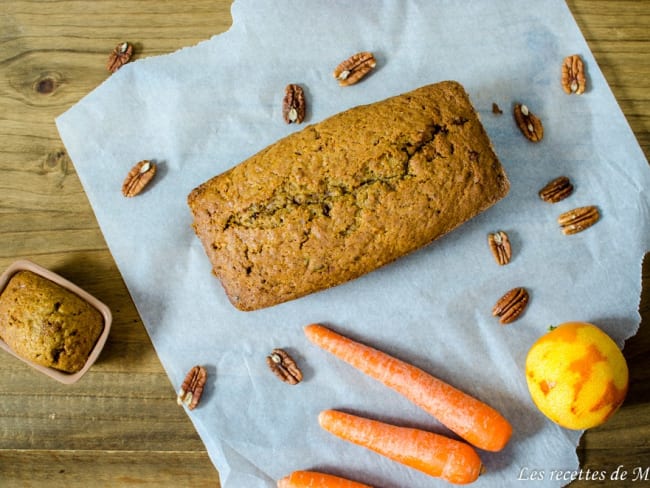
<point x="577" y="376"/>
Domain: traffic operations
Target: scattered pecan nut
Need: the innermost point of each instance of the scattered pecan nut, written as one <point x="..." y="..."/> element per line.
<point x="496" y="110"/>
<point x="354" y="68"/>
<point x="511" y="305"/>
<point x="573" y="75"/>
<point x="139" y="177"/>
<point x="500" y="246"/>
<point x="293" y="104"/>
<point x="556" y="190"/>
<point x="284" y="366"/>
<point x="529" y="125"/>
<point x="119" y="56"/>
<point x="578" y="219"/>
<point x="192" y="388"/>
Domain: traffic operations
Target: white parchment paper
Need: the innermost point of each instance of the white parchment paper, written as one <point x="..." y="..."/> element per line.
<point x="201" y="110"/>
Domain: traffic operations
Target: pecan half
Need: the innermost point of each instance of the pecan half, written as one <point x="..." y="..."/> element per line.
<point x="500" y="247"/>
<point x="139" y="177"/>
<point x="284" y="366"/>
<point x="556" y="190"/>
<point x="578" y="219"/>
<point x="354" y="68"/>
<point x="119" y="56"/>
<point x="293" y="104"/>
<point x="511" y="305"/>
<point x="529" y="125"/>
<point x="573" y="75"/>
<point x="192" y="388"/>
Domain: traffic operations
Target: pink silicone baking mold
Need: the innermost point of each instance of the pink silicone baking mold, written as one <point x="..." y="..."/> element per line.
<point x="63" y="377"/>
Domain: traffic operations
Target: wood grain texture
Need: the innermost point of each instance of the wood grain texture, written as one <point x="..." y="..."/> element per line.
<point x="120" y="425"/>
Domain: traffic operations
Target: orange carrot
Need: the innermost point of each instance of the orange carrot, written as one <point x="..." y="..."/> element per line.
<point x="433" y="454"/>
<point x="314" y="479"/>
<point x="471" y="419"/>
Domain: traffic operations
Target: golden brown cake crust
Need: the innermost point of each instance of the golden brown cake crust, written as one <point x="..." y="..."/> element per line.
<point x="347" y="195"/>
<point x="47" y="324"/>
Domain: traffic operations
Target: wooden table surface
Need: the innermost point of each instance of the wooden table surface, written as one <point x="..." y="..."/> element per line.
<point x="120" y="425"/>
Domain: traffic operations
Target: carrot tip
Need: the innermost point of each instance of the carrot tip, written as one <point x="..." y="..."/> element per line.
<point x="283" y="483"/>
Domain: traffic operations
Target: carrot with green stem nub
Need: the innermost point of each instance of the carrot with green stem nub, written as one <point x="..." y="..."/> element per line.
<point x="315" y="479"/>
<point x="477" y="423"/>
<point x="433" y="454"/>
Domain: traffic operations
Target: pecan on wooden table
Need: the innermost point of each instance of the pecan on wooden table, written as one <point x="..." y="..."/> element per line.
<point x="119" y="56"/>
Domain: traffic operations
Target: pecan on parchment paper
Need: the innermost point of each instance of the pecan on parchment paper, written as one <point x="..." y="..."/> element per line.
<point x="500" y="246"/>
<point x="529" y="125"/>
<point x="573" y="75"/>
<point x="293" y="104"/>
<point x="511" y="305"/>
<point x="354" y="68"/>
<point x="139" y="177"/>
<point x="119" y="56"/>
<point x="284" y="367"/>
<point x="192" y="388"/>
<point x="578" y="219"/>
<point x="556" y="190"/>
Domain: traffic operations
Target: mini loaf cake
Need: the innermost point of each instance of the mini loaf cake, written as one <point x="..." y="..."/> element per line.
<point x="347" y="195"/>
<point x="47" y="324"/>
